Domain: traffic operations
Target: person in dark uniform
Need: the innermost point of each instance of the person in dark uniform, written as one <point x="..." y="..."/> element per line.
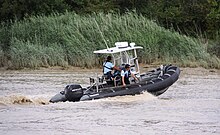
<point x="125" y="74"/>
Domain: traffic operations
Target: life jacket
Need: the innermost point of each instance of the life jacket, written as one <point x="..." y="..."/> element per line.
<point x="127" y="75"/>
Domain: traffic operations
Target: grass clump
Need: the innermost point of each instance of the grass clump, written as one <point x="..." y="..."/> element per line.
<point x="70" y="39"/>
<point x="27" y="54"/>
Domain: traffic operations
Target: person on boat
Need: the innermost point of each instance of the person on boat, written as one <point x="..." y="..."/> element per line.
<point x="125" y="74"/>
<point x="108" y="66"/>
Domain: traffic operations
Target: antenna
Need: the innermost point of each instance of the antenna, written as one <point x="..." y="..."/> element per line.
<point x="101" y="34"/>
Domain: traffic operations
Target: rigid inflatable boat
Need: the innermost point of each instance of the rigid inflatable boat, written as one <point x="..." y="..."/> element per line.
<point x="156" y="81"/>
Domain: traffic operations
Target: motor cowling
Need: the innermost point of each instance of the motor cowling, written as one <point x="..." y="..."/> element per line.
<point x="73" y="92"/>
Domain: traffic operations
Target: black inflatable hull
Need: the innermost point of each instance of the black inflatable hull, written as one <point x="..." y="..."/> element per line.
<point x="59" y="97"/>
<point x="155" y="82"/>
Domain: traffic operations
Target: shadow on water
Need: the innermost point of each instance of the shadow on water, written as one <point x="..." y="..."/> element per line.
<point x="165" y="98"/>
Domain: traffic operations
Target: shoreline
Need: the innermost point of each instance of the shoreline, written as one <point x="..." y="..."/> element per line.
<point x="143" y="68"/>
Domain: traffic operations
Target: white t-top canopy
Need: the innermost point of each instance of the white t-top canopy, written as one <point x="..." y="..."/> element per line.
<point x="120" y="47"/>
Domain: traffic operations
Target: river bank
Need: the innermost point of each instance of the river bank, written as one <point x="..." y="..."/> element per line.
<point x="143" y="67"/>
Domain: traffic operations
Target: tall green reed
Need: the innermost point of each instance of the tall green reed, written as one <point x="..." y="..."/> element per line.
<point x="70" y="39"/>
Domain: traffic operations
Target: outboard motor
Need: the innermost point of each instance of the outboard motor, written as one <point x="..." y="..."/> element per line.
<point x="73" y="92"/>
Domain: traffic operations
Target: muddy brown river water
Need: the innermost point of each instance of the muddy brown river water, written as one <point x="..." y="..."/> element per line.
<point x="190" y="106"/>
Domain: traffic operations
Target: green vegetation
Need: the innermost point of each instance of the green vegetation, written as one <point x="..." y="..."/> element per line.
<point x="31" y="37"/>
<point x="70" y="39"/>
